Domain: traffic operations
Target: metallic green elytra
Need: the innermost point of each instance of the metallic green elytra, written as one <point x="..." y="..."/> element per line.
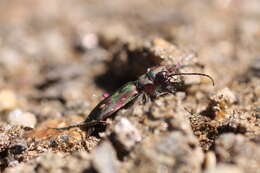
<point x="155" y="82"/>
<point x="111" y="104"/>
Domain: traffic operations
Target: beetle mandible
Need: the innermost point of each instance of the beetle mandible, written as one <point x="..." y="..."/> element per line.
<point x="157" y="81"/>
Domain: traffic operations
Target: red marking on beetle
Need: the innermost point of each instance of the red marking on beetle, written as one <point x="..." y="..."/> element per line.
<point x="105" y="95"/>
<point x="149" y="88"/>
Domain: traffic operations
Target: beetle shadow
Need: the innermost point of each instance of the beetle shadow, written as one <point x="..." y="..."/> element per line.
<point x="127" y="64"/>
<point x="110" y="82"/>
<point x="89" y="170"/>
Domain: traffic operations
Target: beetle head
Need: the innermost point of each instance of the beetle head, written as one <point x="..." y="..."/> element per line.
<point x="165" y="78"/>
<point x="166" y="82"/>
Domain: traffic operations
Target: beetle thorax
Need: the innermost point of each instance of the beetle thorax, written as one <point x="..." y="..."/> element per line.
<point x="151" y="82"/>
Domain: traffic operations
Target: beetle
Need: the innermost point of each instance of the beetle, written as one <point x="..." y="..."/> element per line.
<point x="157" y="81"/>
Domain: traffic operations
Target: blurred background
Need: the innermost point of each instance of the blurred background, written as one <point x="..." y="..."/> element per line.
<point x="40" y="41"/>
<point x="34" y="32"/>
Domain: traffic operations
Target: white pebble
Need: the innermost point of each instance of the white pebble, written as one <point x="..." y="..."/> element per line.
<point x="7" y="100"/>
<point x="18" y="117"/>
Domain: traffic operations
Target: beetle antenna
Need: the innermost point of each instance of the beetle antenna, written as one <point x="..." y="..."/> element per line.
<point x="198" y="74"/>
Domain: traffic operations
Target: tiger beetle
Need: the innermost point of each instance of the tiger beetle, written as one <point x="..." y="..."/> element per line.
<point x="157" y="81"/>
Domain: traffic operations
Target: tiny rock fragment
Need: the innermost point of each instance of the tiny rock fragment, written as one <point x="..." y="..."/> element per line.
<point x="225" y="168"/>
<point x="18" y="117"/>
<point x="162" y="49"/>
<point x="126" y="134"/>
<point x="225" y="96"/>
<point x="165" y="153"/>
<point x="237" y="149"/>
<point x="18" y="147"/>
<point x="77" y="162"/>
<point x="4" y="141"/>
<point x="210" y="160"/>
<point x="104" y="159"/>
<point x="12" y="146"/>
<point x="113" y="34"/>
<point x="255" y="67"/>
<point x="220" y="103"/>
<point x="257" y="91"/>
<point x="86" y="41"/>
<point x="21" y="168"/>
<point x="8" y="100"/>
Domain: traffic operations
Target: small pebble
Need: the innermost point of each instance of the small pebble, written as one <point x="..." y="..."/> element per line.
<point x="4" y="141"/>
<point x="86" y="42"/>
<point x="174" y="152"/>
<point x="220" y="102"/>
<point x="225" y="96"/>
<point x="90" y="41"/>
<point x="210" y="160"/>
<point x="126" y="134"/>
<point x="239" y="150"/>
<point x="225" y="168"/>
<point x="8" y="100"/>
<point x="255" y="67"/>
<point x="104" y="158"/>
<point x="18" y="148"/>
<point x="18" y="117"/>
<point x="257" y="91"/>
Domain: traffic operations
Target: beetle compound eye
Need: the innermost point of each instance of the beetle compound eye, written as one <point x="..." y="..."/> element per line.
<point x="161" y="76"/>
<point x="162" y="79"/>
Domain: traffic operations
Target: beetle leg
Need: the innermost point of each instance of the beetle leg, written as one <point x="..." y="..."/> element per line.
<point x="83" y="125"/>
<point x="145" y="98"/>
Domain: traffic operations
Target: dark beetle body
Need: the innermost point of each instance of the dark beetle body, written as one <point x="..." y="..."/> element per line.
<point x="128" y="92"/>
<point x="113" y="103"/>
<point x="122" y="96"/>
<point x="155" y="82"/>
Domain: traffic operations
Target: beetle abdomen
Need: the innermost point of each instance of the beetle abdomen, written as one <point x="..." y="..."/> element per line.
<point x="111" y="104"/>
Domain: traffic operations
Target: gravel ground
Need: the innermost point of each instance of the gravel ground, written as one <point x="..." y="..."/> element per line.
<point x="57" y="59"/>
